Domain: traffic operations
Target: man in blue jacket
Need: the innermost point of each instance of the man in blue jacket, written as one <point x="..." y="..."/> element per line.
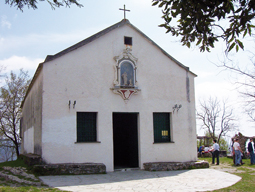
<point x="251" y="151"/>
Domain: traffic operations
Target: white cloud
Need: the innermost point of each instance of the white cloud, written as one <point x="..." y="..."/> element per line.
<point x="5" y="22"/>
<point x="45" y="41"/>
<point x="15" y="63"/>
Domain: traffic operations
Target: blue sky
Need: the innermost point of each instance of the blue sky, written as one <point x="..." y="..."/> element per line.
<point x="27" y="37"/>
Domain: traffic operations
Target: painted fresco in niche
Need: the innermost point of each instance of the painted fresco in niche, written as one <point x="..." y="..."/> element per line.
<point x="125" y="80"/>
<point x="127" y="74"/>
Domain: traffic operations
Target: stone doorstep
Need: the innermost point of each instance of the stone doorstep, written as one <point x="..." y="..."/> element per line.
<point x="126" y="169"/>
<point x="70" y="169"/>
<point x="169" y="166"/>
<point x="31" y="159"/>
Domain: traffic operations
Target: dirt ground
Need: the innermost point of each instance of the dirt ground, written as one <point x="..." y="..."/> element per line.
<point x="230" y="168"/>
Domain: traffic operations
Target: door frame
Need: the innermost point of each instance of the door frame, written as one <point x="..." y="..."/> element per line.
<point x="138" y="135"/>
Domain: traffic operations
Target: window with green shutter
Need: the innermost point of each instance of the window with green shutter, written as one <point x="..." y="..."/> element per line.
<point x="86" y="126"/>
<point x="161" y="124"/>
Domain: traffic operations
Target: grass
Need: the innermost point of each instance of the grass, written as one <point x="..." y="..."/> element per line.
<point x="11" y="186"/>
<point x="17" y="163"/>
<point x="25" y="189"/>
<point x="246" y="171"/>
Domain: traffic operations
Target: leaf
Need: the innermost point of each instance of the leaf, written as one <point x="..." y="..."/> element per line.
<point x="161" y="4"/>
<point x="231" y="39"/>
<point x="237" y="48"/>
<point x="169" y="19"/>
<point x="162" y="25"/>
<point x="249" y="29"/>
<point x="245" y="32"/>
<point x="188" y="44"/>
<point x="238" y="10"/>
<point x="232" y="46"/>
<point x="240" y="43"/>
<point x="155" y="3"/>
<point x="211" y="44"/>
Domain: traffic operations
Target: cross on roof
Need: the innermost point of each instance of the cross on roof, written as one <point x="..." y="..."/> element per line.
<point x="124" y="11"/>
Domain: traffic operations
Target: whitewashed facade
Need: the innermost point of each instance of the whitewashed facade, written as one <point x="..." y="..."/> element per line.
<point x="125" y="80"/>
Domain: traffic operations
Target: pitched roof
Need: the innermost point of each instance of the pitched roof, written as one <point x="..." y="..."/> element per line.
<point x="92" y="38"/>
<point x="103" y="32"/>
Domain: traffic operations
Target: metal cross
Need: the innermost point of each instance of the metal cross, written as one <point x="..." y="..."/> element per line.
<point x="124" y="11"/>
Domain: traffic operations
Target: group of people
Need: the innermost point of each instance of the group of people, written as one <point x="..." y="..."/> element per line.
<point x="237" y="152"/>
<point x="215" y="150"/>
<point x="202" y="149"/>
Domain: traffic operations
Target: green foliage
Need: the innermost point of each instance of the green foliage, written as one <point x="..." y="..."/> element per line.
<point x="198" y="21"/>
<point x="222" y="142"/>
<point x="20" y="4"/>
<point x="17" y="163"/>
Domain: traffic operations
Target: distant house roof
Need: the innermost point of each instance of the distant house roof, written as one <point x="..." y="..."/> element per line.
<point x="92" y="38"/>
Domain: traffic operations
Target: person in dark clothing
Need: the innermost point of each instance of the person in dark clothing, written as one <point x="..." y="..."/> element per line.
<point x="251" y="151"/>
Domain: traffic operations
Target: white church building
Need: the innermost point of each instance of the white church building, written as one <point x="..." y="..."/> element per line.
<point x="115" y="98"/>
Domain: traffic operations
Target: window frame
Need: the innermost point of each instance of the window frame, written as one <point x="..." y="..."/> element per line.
<point x="93" y="132"/>
<point x="162" y="131"/>
<point x="128" y="41"/>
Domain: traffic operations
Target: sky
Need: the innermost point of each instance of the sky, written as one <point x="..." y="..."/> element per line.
<point x="27" y="37"/>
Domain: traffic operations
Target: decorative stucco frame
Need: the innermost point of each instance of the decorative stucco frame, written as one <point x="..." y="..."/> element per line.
<point x="128" y="86"/>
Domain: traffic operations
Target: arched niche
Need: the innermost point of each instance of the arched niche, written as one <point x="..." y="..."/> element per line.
<point x="125" y="80"/>
<point x="127" y="74"/>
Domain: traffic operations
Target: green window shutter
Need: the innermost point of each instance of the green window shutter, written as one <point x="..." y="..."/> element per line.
<point x="161" y="123"/>
<point x="86" y="126"/>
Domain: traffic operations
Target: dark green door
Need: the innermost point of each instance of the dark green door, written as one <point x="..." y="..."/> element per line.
<point x="125" y="140"/>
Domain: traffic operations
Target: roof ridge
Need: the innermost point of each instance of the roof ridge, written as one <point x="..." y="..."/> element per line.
<point x="87" y="40"/>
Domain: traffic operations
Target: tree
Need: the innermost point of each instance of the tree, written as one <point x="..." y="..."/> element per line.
<point x="20" y="4"/>
<point x="245" y="84"/>
<point x="217" y="118"/>
<point x="222" y="142"/>
<point x="7" y="150"/>
<point x="203" y="21"/>
<point x="11" y="96"/>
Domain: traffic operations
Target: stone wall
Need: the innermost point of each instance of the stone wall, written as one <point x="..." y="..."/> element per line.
<point x="242" y="141"/>
<point x="223" y="154"/>
<point x="31" y="159"/>
<point x="169" y="166"/>
<point x="41" y="168"/>
<point x="204" y="155"/>
<point x="70" y="169"/>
